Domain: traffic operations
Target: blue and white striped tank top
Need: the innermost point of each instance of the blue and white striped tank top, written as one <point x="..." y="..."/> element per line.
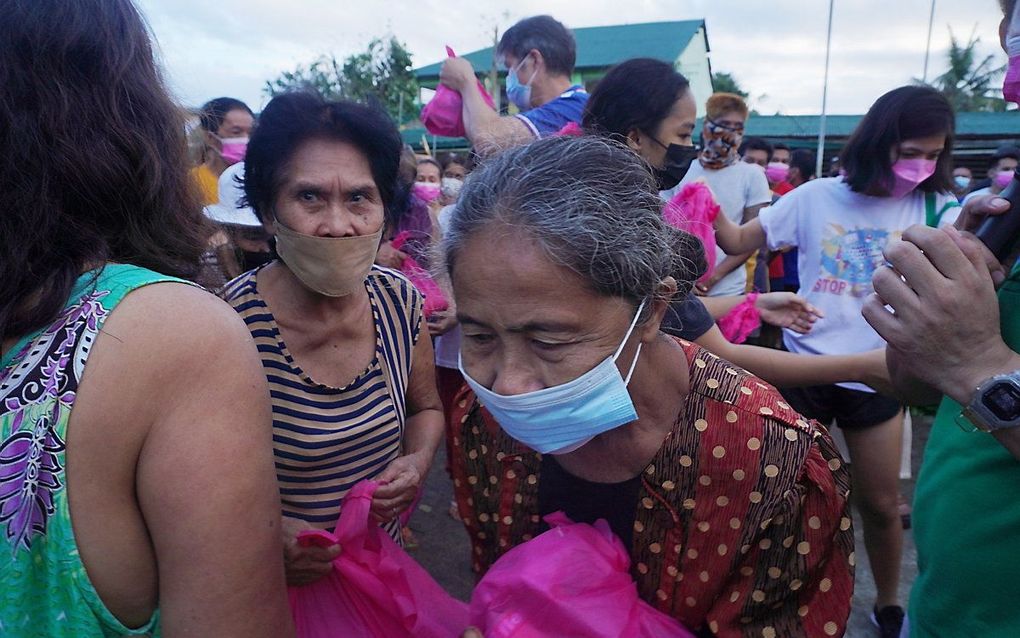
<point x="326" y="439"/>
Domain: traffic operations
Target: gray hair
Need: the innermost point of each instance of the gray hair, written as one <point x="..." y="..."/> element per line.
<point x="591" y="205"/>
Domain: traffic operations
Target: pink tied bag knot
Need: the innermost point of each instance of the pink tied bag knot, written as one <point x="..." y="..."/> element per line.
<point x="694" y="209"/>
<point x="443" y="115"/>
<point x="375" y="590"/>
<point x="573" y="580"/>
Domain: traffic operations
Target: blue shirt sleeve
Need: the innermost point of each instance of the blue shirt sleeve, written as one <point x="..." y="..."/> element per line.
<point x="549" y="118"/>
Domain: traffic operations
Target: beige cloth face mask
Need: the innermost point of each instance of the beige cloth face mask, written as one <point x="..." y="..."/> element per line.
<point x="330" y="266"/>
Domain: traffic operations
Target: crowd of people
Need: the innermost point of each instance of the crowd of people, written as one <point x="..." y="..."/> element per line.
<point x="592" y="311"/>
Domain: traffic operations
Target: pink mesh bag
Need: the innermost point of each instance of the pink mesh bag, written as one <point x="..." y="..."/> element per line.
<point x="693" y="209"/>
<point x="435" y="300"/>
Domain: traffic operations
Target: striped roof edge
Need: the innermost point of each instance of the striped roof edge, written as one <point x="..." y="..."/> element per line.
<point x="601" y="47"/>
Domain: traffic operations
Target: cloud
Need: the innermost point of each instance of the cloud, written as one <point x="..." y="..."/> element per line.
<point x="776" y="49"/>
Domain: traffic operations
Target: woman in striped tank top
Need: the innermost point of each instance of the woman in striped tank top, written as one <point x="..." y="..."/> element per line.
<point x="352" y="383"/>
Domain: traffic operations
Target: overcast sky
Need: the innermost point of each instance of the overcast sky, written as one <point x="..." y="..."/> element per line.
<point x="775" y="48"/>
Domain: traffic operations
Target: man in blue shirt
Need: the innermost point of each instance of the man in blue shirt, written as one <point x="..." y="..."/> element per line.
<point x="539" y="55"/>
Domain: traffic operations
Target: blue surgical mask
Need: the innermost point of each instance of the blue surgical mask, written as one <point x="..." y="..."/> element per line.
<point x="519" y="94"/>
<point x="562" y="418"/>
<point x="961" y="181"/>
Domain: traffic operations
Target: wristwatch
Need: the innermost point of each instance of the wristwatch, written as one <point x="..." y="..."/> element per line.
<point x="995" y="405"/>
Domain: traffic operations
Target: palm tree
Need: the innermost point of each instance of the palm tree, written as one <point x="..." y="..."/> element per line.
<point x="969" y="84"/>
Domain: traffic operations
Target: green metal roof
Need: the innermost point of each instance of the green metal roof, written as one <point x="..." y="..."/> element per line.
<point x="794" y="128"/>
<point x="968" y="125"/>
<point x="601" y="47"/>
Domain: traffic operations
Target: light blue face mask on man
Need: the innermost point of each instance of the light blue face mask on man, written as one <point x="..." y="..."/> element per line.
<point x="562" y="418"/>
<point x="519" y="94"/>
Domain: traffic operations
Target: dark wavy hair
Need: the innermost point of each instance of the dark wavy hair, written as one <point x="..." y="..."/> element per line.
<point x="213" y="112"/>
<point x="291" y="119"/>
<point x="93" y="163"/>
<point x="902" y="114"/>
<point x="637" y="94"/>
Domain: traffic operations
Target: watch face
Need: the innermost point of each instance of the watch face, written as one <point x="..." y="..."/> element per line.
<point x="1003" y="400"/>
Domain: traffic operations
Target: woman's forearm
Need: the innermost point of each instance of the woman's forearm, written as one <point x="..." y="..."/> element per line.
<point x="786" y="369"/>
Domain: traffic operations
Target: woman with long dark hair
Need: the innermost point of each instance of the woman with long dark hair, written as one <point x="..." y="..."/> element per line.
<point x="898" y="166"/>
<point x="136" y="477"/>
<point x="647" y="105"/>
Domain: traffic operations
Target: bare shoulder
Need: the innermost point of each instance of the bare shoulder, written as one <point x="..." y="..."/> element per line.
<point x="167" y="341"/>
<point x="173" y="319"/>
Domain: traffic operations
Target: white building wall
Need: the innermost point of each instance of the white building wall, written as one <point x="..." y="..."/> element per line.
<point x="693" y="63"/>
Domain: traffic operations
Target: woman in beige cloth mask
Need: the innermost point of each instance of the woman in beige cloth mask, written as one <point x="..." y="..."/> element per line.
<point x="349" y="365"/>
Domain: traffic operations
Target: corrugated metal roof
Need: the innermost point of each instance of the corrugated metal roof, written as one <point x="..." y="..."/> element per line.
<point x="972" y="126"/>
<point x="968" y="125"/>
<point x="601" y="47"/>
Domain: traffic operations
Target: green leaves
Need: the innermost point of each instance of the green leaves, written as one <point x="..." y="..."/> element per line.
<point x="381" y="73"/>
<point x="970" y="84"/>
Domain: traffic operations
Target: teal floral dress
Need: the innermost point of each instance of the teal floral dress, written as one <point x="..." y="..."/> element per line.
<point x="44" y="589"/>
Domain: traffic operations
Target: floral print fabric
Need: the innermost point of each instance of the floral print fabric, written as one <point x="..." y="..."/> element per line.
<point x="44" y="589"/>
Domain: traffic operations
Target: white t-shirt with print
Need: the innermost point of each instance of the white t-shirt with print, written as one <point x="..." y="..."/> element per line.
<point x="735" y="188"/>
<point x="840" y="236"/>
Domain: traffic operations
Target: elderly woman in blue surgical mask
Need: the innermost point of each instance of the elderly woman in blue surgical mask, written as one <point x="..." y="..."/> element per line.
<point x="734" y="508"/>
<point x="342" y="342"/>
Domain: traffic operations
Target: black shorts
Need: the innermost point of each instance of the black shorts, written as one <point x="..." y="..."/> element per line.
<point x="850" y="409"/>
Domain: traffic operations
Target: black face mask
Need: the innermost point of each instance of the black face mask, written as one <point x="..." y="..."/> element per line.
<point x="677" y="163"/>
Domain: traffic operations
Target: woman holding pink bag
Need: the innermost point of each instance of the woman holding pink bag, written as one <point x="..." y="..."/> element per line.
<point x="733" y="508"/>
<point x="342" y="344"/>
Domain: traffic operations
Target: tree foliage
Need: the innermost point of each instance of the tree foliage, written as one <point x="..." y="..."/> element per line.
<point x="970" y="84"/>
<point x="382" y="73"/>
<point x="725" y="83"/>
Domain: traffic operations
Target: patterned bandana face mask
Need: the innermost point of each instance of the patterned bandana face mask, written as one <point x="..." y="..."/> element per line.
<point x="720" y="144"/>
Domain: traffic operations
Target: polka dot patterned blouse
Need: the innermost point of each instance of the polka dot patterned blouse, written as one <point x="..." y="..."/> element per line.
<point x="742" y="524"/>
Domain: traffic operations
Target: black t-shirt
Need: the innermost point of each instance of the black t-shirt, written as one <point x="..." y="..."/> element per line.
<point x="687" y="318"/>
<point x="586" y="502"/>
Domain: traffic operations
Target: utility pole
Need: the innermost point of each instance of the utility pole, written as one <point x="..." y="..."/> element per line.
<point x="494" y="71"/>
<point x="927" y="48"/>
<point x="825" y="97"/>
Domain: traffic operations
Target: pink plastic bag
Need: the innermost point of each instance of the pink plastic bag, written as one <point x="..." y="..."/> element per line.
<point x="738" y="324"/>
<point x="694" y="210"/>
<point x="435" y="300"/>
<point x="570" y="581"/>
<point x="375" y="589"/>
<point x="443" y="115"/>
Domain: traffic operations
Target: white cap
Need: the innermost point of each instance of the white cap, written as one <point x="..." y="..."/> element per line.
<point x="229" y="210"/>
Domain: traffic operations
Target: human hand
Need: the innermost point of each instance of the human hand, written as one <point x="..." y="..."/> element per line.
<point x="442" y="322"/>
<point x="390" y="257"/>
<point x="977" y="208"/>
<point x="944" y="326"/>
<point x="702" y="286"/>
<point x="304" y="565"/>
<point x="471" y="632"/>
<point x="398" y="487"/>
<point x="975" y="211"/>
<point x="787" y="310"/>
<point x="457" y="73"/>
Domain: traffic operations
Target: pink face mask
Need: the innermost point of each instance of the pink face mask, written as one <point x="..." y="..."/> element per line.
<point x="426" y="191"/>
<point x="909" y="174"/>
<point x="776" y="172"/>
<point x="1002" y="179"/>
<point x="232" y="149"/>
